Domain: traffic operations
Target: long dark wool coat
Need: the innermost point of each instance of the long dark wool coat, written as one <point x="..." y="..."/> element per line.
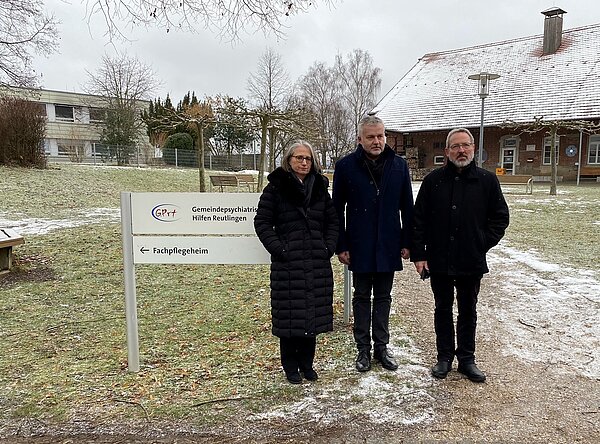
<point x="375" y="224"/>
<point x="301" y="238"/>
<point x="458" y="218"/>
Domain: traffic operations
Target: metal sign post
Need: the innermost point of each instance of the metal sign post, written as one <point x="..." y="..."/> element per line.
<point x="133" y="349"/>
<point x="347" y="294"/>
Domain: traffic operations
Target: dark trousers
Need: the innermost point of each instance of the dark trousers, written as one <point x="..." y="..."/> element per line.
<point x="467" y="290"/>
<point x="297" y="354"/>
<point x="381" y="286"/>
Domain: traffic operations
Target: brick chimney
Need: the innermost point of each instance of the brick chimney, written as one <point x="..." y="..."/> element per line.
<point x="552" y="29"/>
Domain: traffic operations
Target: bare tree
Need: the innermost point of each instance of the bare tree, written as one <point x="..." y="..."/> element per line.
<point x="226" y="18"/>
<point x="122" y="84"/>
<point x="290" y="123"/>
<point x="268" y="88"/>
<point x="24" y="30"/>
<point x="361" y="81"/>
<point x="321" y="93"/>
<point x="199" y="117"/>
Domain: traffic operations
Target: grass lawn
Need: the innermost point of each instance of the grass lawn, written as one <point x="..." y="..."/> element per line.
<point x="205" y="331"/>
<point x="205" y="341"/>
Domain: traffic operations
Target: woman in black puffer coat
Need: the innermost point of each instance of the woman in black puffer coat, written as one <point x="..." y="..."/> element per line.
<point x="297" y="224"/>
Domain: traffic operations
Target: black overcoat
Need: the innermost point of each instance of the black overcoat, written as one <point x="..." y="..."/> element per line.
<point x="375" y="222"/>
<point x="301" y="239"/>
<point x="458" y="218"/>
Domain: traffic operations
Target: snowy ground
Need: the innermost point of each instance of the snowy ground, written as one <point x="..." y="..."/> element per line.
<point x="549" y="312"/>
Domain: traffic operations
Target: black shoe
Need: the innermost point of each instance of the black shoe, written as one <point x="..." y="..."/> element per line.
<point x="441" y="369"/>
<point x="387" y="359"/>
<point x="310" y="375"/>
<point x="472" y="372"/>
<point x="294" y="378"/>
<point x="363" y="361"/>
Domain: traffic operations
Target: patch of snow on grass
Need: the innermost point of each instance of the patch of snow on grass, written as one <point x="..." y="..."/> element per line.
<point x="399" y="397"/>
<point x="44" y="226"/>
<point x="528" y="259"/>
<point x="549" y="311"/>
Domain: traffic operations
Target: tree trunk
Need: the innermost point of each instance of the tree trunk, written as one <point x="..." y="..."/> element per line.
<point x="264" y="122"/>
<point x="201" y="174"/>
<point x="553" y="172"/>
<point x="272" y="147"/>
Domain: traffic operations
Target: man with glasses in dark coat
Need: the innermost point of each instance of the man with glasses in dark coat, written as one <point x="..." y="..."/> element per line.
<point x="460" y="213"/>
<point x="373" y="198"/>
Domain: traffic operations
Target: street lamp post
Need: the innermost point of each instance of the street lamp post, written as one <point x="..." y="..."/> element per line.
<point x="484" y="91"/>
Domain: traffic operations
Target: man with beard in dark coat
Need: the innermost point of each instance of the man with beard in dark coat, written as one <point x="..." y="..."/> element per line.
<point x="460" y="213"/>
<point x="373" y="197"/>
<point x="297" y="224"/>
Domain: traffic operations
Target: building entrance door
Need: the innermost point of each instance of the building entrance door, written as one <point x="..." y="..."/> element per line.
<point x="508" y="160"/>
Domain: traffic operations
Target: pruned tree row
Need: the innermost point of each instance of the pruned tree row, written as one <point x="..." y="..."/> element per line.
<point x="322" y="106"/>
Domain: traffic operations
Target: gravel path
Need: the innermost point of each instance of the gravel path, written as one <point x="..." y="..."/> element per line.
<point x="522" y="400"/>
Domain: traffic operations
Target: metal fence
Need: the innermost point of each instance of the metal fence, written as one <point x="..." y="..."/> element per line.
<point x="137" y="156"/>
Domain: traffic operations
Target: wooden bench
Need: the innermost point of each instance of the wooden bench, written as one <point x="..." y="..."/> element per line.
<point x="221" y="181"/>
<point x="517" y="179"/>
<point x="248" y="181"/>
<point x="8" y="239"/>
<point x="590" y="171"/>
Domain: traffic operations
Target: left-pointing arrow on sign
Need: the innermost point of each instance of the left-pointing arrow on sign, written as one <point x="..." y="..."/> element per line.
<point x="143" y="250"/>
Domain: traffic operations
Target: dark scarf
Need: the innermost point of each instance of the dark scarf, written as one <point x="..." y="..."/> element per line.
<point x="376" y="168"/>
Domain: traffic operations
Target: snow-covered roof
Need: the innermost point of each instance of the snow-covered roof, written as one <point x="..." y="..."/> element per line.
<point x="437" y="93"/>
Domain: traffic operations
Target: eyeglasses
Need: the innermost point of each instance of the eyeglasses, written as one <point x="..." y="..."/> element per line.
<point x="456" y="146"/>
<point x="301" y="159"/>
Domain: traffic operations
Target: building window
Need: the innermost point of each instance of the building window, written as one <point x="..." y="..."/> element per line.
<point x="438" y="160"/>
<point x="439" y="145"/>
<point x="594" y="150"/>
<point x="97" y="115"/>
<point x="547" y="142"/>
<point x="64" y="113"/>
<point x="74" y="149"/>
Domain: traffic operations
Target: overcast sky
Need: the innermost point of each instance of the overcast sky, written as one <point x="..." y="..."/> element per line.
<point x="396" y="33"/>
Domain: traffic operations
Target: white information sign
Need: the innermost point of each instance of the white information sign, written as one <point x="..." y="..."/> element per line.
<point x="193" y="213"/>
<point x="199" y="250"/>
<point x="175" y="228"/>
<point x="172" y="228"/>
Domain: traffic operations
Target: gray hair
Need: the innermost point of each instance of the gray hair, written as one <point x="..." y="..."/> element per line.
<point x="369" y="120"/>
<point x="459" y="130"/>
<point x="315" y="165"/>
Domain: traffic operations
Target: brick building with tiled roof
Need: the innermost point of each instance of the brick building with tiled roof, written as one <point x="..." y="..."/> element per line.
<point x="555" y="84"/>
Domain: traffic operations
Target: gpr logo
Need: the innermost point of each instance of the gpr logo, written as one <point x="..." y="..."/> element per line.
<point x="166" y="213"/>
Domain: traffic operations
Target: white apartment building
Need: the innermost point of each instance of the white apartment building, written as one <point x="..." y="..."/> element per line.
<point x="74" y="120"/>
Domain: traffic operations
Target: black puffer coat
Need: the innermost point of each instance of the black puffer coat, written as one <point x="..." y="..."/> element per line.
<point x="301" y="238"/>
